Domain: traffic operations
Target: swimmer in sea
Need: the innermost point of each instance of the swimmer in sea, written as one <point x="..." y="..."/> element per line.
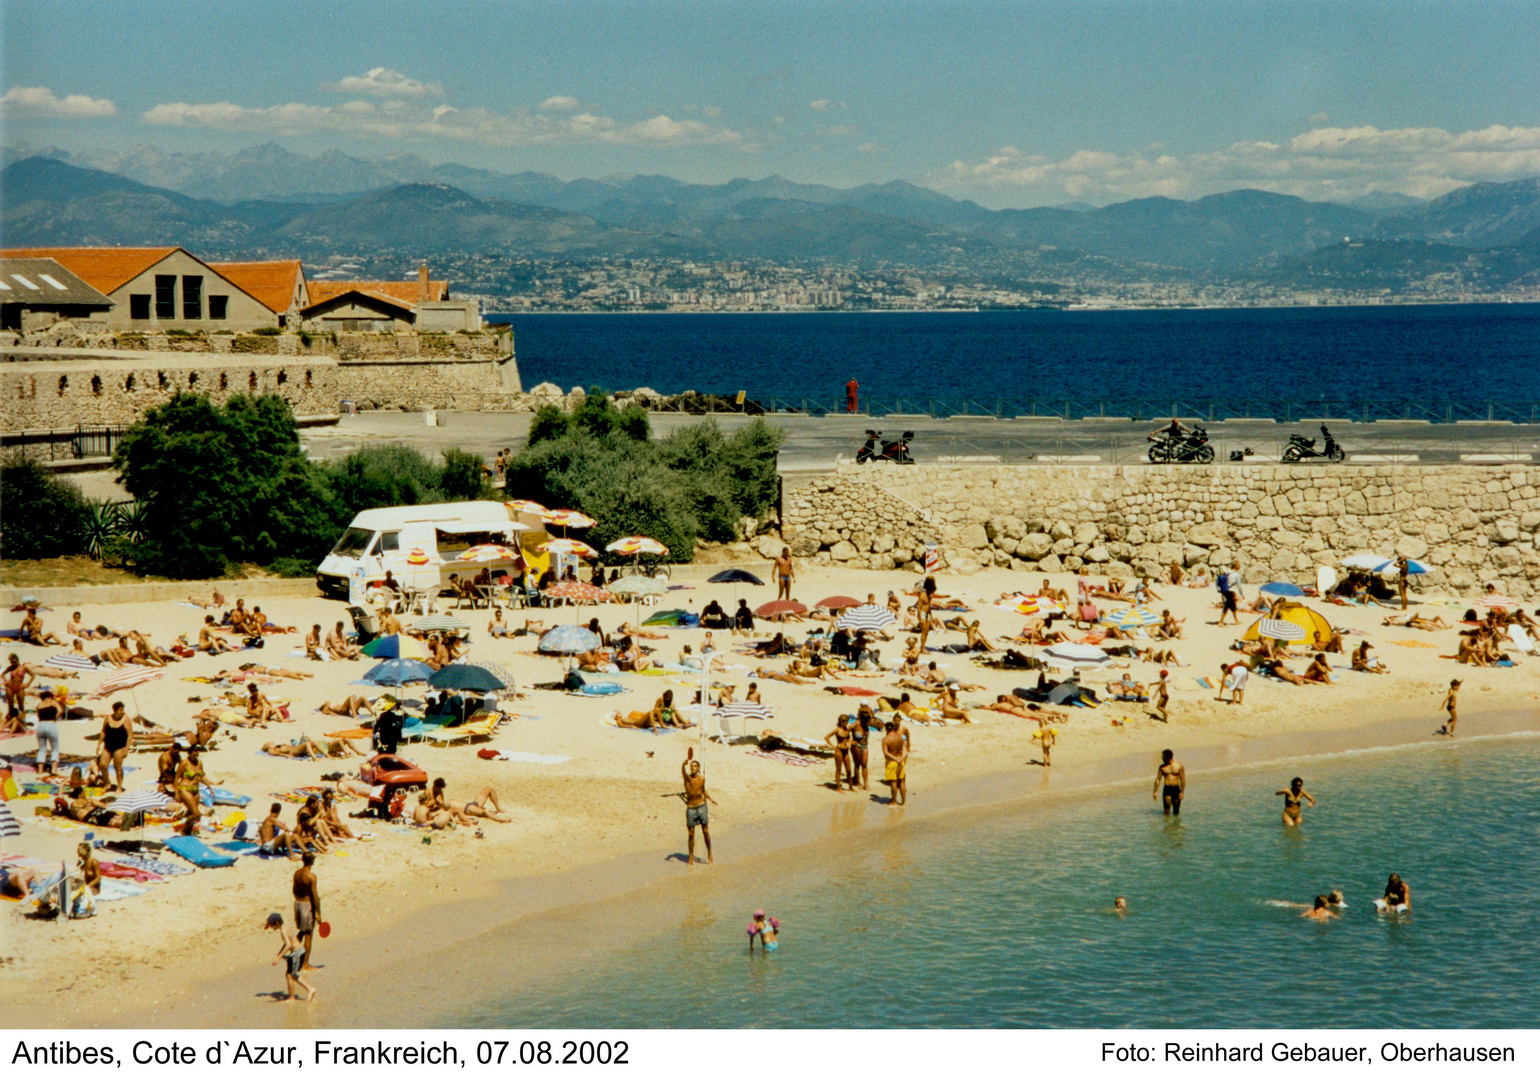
<point x="765" y="928"/>
<point x="1120" y="905"/>
<point x="1398" y="896"/>
<point x="1294" y="798"/>
<point x="1170" y="784"/>
<point x="1321" y="912"/>
<point x="1336" y="899"/>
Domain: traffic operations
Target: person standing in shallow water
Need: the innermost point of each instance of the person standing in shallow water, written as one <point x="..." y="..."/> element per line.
<point x="695" y="800"/>
<point x="1451" y="705"/>
<point x="1170" y="784"/>
<point x="1294" y="798"/>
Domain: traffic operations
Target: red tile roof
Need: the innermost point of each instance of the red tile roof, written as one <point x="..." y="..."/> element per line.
<point x="104" y="269"/>
<point x="271" y="284"/>
<point x="400" y="292"/>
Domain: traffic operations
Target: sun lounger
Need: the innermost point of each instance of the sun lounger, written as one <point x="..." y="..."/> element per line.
<point x="198" y="853"/>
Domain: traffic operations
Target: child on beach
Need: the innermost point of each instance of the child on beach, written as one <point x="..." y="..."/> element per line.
<point x="292" y="956"/>
<point x="1451" y="706"/>
<point x="765" y="928"/>
<point x="1046" y="736"/>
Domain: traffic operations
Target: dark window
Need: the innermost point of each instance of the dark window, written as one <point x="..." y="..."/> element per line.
<point x="165" y="296"/>
<point x="64" y="383"/>
<point x="283" y="321"/>
<point x="251" y="380"/>
<point x="283" y="377"/>
<point x="218" y="306"/>
<point x="139" y="305"/>
<point x="390" y="541"/>
<point x="224" y="381"/>
<point x="192" y="296"/>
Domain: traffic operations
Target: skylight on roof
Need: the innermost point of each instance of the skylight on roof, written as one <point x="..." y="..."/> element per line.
<point x="52" y="281"/>
<point x="4" y="286"/>
<point x="27" y="283"/>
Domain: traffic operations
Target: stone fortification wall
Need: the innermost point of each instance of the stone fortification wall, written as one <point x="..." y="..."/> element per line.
<point x="1473" y="524"/>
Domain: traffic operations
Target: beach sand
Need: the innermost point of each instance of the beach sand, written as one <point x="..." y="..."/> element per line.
<point x="601" y="825"/>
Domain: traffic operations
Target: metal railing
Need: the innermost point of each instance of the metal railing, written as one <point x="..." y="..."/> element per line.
<point x="97" y="441"/>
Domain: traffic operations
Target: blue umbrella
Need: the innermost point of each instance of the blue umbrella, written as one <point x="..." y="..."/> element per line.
<point x="476" y="677"/>
<point x="398" y="672"/>
<point x="568" y="639"/>
<point x="1282" y="588"/>
<point x="734" y="576"/>
<point x="1412" y="567"/>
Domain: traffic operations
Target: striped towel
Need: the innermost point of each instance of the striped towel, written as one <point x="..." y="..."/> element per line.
<point x="785" y="757"/>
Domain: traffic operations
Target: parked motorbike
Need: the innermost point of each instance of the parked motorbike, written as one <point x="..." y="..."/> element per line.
<point x="1303" y="449"/>
<point x="894" y="450"/>
<point x="1190" y="446"/>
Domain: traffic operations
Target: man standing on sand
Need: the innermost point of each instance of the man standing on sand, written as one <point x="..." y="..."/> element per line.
<point x="695" y="800"/>
<point x="785" y="574"/>
<point x="1170" y="784"/>
<point x="307" y="906"/>
<point x="895" y="756"/>
<point x="1229" y="584"/>
<point x="1163" y="697"/>
<point x="1452" y="707"/>
<point x="852" y="395"/>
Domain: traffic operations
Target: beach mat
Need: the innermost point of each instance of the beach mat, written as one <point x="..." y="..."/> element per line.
<point x="198" y="853"/>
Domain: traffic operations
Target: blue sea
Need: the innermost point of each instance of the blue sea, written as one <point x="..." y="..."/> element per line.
<point x="1007" y="920"/>
<point x="1462" y="353"/>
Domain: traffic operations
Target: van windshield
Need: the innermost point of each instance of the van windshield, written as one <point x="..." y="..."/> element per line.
<point x="353" y="543"/>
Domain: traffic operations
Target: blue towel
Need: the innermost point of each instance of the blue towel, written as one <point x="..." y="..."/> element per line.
<point x="238" y="847"/>
<point x="198" y="853"/>
<point x="599" y="689"/>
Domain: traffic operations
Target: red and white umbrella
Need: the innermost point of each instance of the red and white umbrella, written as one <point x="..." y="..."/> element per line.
<point x="1498" y="600"/>
<point x="580" y="590"/>
<point x="128" y="678"/>
<point x="565" y="546"/>
<point x="637" y="545"/>
<point x="483" y="553"/>
<point x="526" y="506"/>
<point x="418" y="557"/>
<point x="1039" y="605"/>
<point x="569" y="519"/>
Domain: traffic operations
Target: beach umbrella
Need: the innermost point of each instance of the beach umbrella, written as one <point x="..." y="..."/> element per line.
<point x="485" y="553"/>
<point x="838" y="603"/>
<point x="569" y="519"/>
<point x="9" y="826"/>
<point x="468" y="676"/>
<point x="637" y="585"/>
<point x="580" y="590"/>
<point x="1498" y="600"/>
<point x="671" y="617"/>
<point x="1073" y="655"/>
<point x="1129" y="618"/>
<point x="392" y="646"/>
<point x="135" y="801"/>
<point x="564" y="546"/>
<point x="637" y="545"/>
<point x="397" y="672"/>
<point x="780" y="607"/>
<point x="526" y="506"/>
<point x="1281" y="630"/>
<point x="568" y="640"/>
<point x="1412" y="567"/>
<point x="866" y="617"/>
<point x="1039" y="605"/>
<point x="418" y="557"/>
<point x="734" y="576"/>
<point x="1281" y="588"/>
<point x="438" y="623"/>
<point x="127" y="679"/>
<point x="73" y="661"/>
<point x="744" y="711"/>
<point x="1364" y="560"/>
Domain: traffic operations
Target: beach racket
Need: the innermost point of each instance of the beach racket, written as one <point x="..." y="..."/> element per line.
<point x="325" y="929"/>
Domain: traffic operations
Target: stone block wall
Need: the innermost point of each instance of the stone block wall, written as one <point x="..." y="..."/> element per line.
<point x="1472" y="524"/>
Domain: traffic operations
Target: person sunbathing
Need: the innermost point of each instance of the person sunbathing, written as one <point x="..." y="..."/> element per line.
<point x="948" y="706"/>
<point x="1415" y="621"/>
<point x="931" y="678"/>
<point x="1335" y="644"/>
<point x="32" y="631"/>
<point x="597" y="661"/>
<point x="1112" y="591"/>
<point x="1276" y="669"/>
<point x="119" y="655"/>
<point x="310" y="826"/>
<point x="349" y="706"/>
<point x="337" y="645"/>
<point x="17" y="882"/>
<point x="977" y="640"/>
<point x="334" y="823"/>
<point x="956" y="623"/>
<point x="1009" y="703"/>
<point x="1319" y="670"/>
<point x="1200" y="578"/>
<point x="209" y="639"/>
<point x="274" y="837"/>
<point x="484" y="805"/>
<point x="76" y="628"/>
<point x="781" y="676"/>
<point x="1170" y="627"/>
<point x="82" y="808"/>
<point x="275" y="672"/>
<point x="1362" y="662"/>
<point x="661" y="715"/>
<point x="216" y="601"/>
<point x="631" y="657"/>
<point x="1160" y="656"/>
<point x="313" y="643"/>
<point x="1173" y="574"/>
<point x="812" y="668"/>
<point x="259" y="709"/>
<point x="306" y="747"/>
<point x="1126" y="689"/>
<point x="438" y="653"/>
<point x="627" y="630"/>
<point x="915" y="712"/>
<point x="1471" y="651"/>
<point x="265" y="626"/>
<point x="428" y="815"/>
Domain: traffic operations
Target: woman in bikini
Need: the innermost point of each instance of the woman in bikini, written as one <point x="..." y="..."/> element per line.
<point x="840" y="740"/>
<point x="189" y="777"/>
<point x="1294" y="798"/>
<point x="1319" y="670"/>
<point x="661" y="715"/>
<point x="350" y="707"/>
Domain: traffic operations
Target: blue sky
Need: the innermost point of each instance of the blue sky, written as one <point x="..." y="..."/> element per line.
<point x="1012" y="104"/>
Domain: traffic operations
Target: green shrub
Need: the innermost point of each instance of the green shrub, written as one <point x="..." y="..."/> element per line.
<point x="549" y="422"/>
<point x="291" y="568"/>
<point x="463" y="477"/>
<point x="41" y="516"/>
<point x="267" y="331"/>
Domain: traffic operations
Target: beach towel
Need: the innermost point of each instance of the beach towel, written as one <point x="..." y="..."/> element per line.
<point x="488" y="754"/>
<point x="198" y="853"/>
<point x="1415" y="644"/>
<point x="350" y="733"/>
<point x="1203" y="682"/>
<point x="239" y="847"/>
<point x="119" y="889"/>
<point x="598" y="689"/>
<point x="852" y="691"/>
<point x="129" y="873"/>
<point x="159" y="867"/>
<point x="784" y="757"/>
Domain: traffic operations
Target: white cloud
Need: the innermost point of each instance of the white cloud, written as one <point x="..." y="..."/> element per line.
<point x="560" y="103"/>
<point x="1323" y="163"/>
<point x="385" y="82"/>
<point x="23" y="101"/>
<point x="826" y="105"/>
<point x="871" y="148"/>
<point x="403" y="120"/>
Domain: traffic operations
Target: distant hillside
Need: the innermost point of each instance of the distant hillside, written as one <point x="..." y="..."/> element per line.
<point x="1482" y="215"/>
<point x="1408" y="265"/>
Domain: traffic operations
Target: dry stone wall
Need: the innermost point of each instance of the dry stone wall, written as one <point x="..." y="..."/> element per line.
<point x="1472" y="524"/>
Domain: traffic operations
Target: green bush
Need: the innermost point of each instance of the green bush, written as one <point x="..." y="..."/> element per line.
<point x="291" y="567"/>
<point x="41" y="516"/>
<point x="267" y="331"/>
<point x="397" y="475"/>
<point x="463" y="477"/>
<point x="549" y="422"/>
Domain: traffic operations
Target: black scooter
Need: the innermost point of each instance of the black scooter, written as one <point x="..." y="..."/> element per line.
<point x="1303" y="449"/>
<point x="894" y="450"/>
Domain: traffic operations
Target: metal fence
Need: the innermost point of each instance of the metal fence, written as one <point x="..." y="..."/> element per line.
<point x="1140" y="410"/>
<point x="99" y="441"/>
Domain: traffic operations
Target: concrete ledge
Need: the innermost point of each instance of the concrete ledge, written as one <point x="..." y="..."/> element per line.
<point x="73" y="465"/>
<point x="146" y="592"/>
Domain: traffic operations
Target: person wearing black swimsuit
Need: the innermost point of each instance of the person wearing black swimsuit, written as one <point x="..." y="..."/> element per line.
<point x="114" y="742"/>
<point x="1294" y="797"/>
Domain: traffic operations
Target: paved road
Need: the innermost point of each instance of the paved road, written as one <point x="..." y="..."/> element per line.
<point x="815" y="444"/>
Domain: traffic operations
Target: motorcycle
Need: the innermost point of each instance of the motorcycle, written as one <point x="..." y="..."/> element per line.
<point x="1303" y="449"/>
<point x="894" y="450"/>
<point x="1190" y="446"/>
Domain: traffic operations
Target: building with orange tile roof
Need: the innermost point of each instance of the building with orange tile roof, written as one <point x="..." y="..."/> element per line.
<point x="279" y="285"/>
<point x="390" y="306"/>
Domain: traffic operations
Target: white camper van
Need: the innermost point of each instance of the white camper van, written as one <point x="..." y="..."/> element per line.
<point x="419" y="545"/>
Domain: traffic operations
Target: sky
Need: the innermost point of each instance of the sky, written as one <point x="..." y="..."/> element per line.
<point x="1009" y="104"/>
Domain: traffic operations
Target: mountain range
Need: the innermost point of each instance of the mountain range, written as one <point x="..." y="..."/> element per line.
<point x="267" y="200"/>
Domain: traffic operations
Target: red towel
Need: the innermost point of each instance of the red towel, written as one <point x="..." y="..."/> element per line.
<point x="852" y="691"/>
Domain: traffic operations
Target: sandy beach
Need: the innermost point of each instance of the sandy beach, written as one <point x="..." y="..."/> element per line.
<point x="600" y="825"/>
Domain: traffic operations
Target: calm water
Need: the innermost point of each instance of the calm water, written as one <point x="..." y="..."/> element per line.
<point x="1445" y="353"/>
<point x="1008" y="923"/>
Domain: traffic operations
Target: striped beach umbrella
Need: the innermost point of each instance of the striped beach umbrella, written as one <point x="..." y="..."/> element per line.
<point x="135" y="801"/>
<point x="526" y="506"/>
<point x="1039" y="605"/>
<point x="637" y="545"/>
<point x="741" y="711"/>
<point x="1072" y="655"/>
<point x="565" y="546"/>
<point x="580" y="590"/>
<point x="1129" y="618"/>
<point x="484" y="553"/>
<point x="1498" y="600"/>
<point x="439" y="623"/>
<point x="9" y="826"/>
<point x="866" y="617"/>
<point x="570" y="519"/>
<point x="1281" y="630"/>
<point x="128" y="678"/>
<point x="637" y="585"/>
<point x="418" y="557"/>
<point x="568" y="640"/>
<point x="74" y="661"/>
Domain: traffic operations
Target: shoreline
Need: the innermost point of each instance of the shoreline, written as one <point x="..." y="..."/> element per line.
<point x="581" y="914"/>
<point x="1061" y="309"/>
